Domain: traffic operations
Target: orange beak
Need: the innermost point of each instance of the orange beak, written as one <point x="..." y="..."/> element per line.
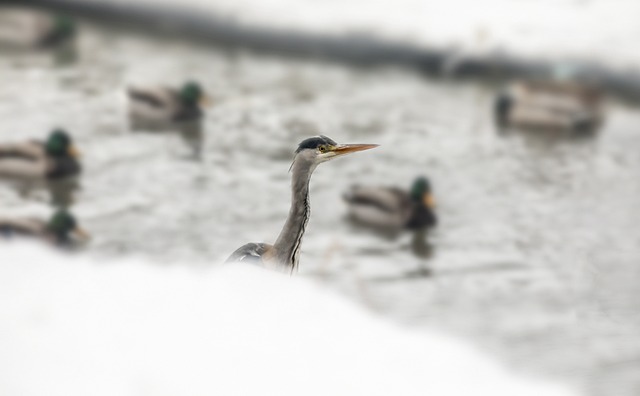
<point x="352" y="148"/>
<point x="81" y="234"/>
<point x="73" y="151"/>
<point x="429" y="201"/>
<point x="205" y="101"/>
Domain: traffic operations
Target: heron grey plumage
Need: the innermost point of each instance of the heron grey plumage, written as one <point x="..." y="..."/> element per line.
<point x="285" y="252"/>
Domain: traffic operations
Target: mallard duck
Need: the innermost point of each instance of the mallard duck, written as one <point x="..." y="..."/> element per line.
<point x="24" y="29"/>
<point x="392" y="209"/>
<point x="62" y="229"/>
<point x="550" y="105"/>
<point x="54" y="159"/>
<point x="162" y="106"/>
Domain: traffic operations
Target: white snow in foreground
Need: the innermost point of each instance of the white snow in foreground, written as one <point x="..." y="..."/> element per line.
<point x="74" y="326"/>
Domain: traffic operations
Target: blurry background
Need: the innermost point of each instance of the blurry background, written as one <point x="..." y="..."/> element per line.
<point x="536" y="254"/>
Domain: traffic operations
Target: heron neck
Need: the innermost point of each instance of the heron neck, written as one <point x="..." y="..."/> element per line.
<point x="287" y="246"/>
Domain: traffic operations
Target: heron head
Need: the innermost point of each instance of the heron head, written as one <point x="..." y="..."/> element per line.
<point x="421" y="192"/>
<point x="321" y="149"/>
<point x="63" y="225"/>
<point x="59" y="144"/>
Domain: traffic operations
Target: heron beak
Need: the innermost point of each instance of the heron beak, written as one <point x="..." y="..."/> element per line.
<point x="343" y="149"/>
<point x="81" y="234"/>
<point x="205" y="101"/>
<point x="429" y="201"/>
<point x="73" y="151"/>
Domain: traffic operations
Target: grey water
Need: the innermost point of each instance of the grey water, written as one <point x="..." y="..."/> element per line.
<point x="537" y="254"/>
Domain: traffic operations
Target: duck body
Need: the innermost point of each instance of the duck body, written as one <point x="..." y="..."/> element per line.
<point x="30" y="161"/>
<point x="164" y="106"/>
<point x="550" y="105"/>
<point x="61" y="230"/>
<point x="27" y="29"/>
<point x="388" y="209"/>
<point x="29" y="227"/>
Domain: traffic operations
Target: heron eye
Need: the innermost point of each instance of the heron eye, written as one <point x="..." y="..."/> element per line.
<point x="322" y="149"/>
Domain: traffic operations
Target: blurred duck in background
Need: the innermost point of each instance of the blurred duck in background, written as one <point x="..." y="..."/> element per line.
<point x="54" y="159"/>
<point x="391" y="209"/>
<point x="550" y="105"/>
<point x="160" y="107"/>
<point x="29" y="29"/>
<point x="61" y="230"/>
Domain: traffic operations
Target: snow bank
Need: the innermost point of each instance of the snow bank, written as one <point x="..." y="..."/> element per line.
<point x="75" y="326"/>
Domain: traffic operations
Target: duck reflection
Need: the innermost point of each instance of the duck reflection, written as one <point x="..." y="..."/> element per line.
<point x="64" y="54"/>
<point x="193" y="137"/>
<point x="191" y="133"/>
<point x="63" y="192"/>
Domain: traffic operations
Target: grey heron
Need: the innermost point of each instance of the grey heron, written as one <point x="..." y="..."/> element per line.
<point x="284" y="254"/>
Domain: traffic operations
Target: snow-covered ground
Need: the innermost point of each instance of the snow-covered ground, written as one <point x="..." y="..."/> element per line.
<point x="80" y="327"/>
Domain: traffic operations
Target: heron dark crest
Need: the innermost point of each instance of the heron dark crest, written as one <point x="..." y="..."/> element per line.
<point x="284" y="254"/>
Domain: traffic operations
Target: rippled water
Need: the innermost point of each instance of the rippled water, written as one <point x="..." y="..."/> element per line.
<point x="536" y="255"/>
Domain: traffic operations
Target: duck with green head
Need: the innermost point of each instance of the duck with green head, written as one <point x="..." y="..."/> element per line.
<point x="549" y="105"/>
<point x="164" y="106"/>
<point x="28" y="29"/>
<point x="392" y="209"/>
<point x="56" y="158"/>
<point x="61" y="229"/>
<point x="63" y="29"/>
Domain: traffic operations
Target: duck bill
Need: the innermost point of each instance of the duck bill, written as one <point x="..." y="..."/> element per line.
<point x="205" y="101"/>
<point x="429" y="201"/>
<point x="73" y="152"/>
<point x="352" y="148"/>
<point x="81" y="234"/>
